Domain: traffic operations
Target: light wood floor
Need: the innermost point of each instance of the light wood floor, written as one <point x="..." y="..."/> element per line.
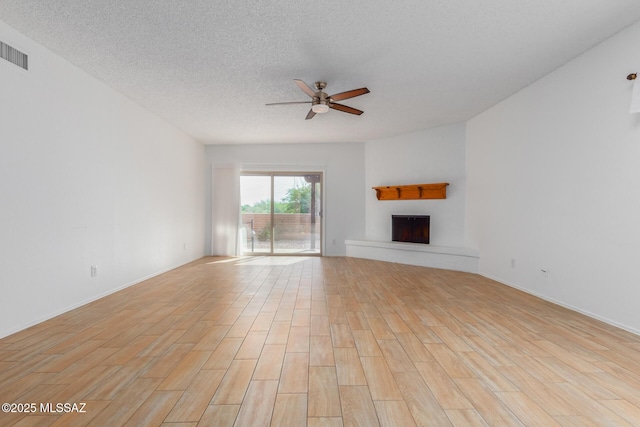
<point x="287" y="341"/>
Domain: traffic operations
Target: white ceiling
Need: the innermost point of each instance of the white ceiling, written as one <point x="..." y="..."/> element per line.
<point x="210" y="66"/>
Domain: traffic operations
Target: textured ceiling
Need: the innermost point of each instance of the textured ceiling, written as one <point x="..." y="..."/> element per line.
<point x="210" y="66"/>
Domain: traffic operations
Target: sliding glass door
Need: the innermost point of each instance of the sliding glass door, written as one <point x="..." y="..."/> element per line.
<point x="281" y="213"/>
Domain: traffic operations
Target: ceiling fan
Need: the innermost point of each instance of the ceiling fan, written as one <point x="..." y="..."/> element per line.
<point x="321" y="102"/>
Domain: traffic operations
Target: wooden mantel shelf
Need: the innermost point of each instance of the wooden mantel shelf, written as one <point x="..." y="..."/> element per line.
<point x="412" y="192"/>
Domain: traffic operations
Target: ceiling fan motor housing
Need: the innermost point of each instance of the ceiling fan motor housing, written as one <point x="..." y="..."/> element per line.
<point x="320" y="104"/>
<point x="321" y="101"/>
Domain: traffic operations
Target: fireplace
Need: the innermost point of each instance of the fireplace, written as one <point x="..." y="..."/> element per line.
<point x="410" y="228"/>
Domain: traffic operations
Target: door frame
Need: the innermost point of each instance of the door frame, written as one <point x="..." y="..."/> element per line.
<point x="288" y="172"/>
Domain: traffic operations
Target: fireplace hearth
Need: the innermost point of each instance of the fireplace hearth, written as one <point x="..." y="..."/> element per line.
<point x="410" y="228"/>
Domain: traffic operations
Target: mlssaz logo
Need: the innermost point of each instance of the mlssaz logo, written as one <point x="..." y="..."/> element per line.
<point x="63" y="407"/>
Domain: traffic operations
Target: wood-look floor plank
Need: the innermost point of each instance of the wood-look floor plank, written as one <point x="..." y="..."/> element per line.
<point x="295" y="373"/>
<point x="465" y="418"/>
<point x="319" y="305"/>
<point x="324" y="396"/>
<point x="301" y="317"/>
<point x="72" y="356"/>
<point x="396" y="324"/>
<point x="488" y="351"/>
<point x="82" y="366"/>
<point x="195" y="332"/>
<point x="380" y="329"/>
<point x="442" y="386"/>
<point x="79" y="388"/>
<point x="155" y="409"/>
<point x="229" y="317"/>
<point x="627" y="390"/>
<point x="572" y="359"/>
<point x="162" y="343"/>
<point x="357" y="320"/>
<point x="393" y="413"/>
<point x="112" y="386"/>
<point x="382" y="385"/>
<point x="486" y="402"/>
<point x="241" y="327"/>
<point x="218" y="415"/>
<point x="224" y="354"/>
<point x="186" y="371"/>
<point x="422" y="404"/>
<point x="348" y="367"/>
<point x="527" y="411"/>
<point x="320" y="325"/>
<point x="161" y="366"/>
<point x="357" y="407"/>
<point x="257" y="406"/>
<point x="341" y="335"/>
<point x="298" y="339"/>
<point x="195" y="399"/>
<point x="123" y="406"/>
<point x="73" y="341"/>
<point x="129" y="350"/>
<point x="553" y="402"/>
<point x="450" y="361"/>
<point x="269" y="365"/>
<point x="279" y="333"/>
<point x="252" y="346"/>
<point x="320" y="351"/>
<point x="366" y="343"/>
<point x="263" y="322"/>
<point x="489" y="374"/>
<point x="451" y="339"/>
<point x="324" y="422"/>
<point x="414" y="348"/>
<point x="594" y="410"/>
<point x="575" y="421"/>
<point x="290" y="410"/>
<point x="235" y="382"/>
<point x="396" y="357"/>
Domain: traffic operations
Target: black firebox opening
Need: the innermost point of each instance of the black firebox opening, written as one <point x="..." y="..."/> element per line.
<point x="410" y="228"/>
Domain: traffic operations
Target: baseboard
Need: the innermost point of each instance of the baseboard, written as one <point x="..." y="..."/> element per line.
<point x="565" y="305"/>
<point x="56" y="313"/>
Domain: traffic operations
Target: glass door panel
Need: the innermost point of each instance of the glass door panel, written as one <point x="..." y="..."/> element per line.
<point x="255" y="208"/>
<point x="297" y="214"/>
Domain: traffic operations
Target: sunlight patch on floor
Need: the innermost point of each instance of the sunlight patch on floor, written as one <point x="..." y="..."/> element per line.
<point x="263" y="260"/>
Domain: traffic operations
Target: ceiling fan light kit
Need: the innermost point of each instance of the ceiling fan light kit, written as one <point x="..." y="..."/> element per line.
<point x="321" y="102"/>
<point x="319" y="108"/>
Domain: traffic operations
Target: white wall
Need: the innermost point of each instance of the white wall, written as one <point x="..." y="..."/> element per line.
<point x="553" y="178"/>
<point x="429" y="156"/>
<point x="343" y="167"/>
<point x="86" y="178"/>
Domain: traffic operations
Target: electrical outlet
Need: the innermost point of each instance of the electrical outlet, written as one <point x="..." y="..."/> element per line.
<point x="94" y="270"/>
<point x="513" y="263"/>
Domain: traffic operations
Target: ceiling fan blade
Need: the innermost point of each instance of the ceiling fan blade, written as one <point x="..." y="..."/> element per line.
<point x="310" y="115"/>
<point x="346" y="109"/>
<point x="285" y="103"/>
<point x="305" y="88"/>
<point x="349" y="94"/>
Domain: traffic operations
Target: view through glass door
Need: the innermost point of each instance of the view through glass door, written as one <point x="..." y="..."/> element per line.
<point x="281" y="213"/>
